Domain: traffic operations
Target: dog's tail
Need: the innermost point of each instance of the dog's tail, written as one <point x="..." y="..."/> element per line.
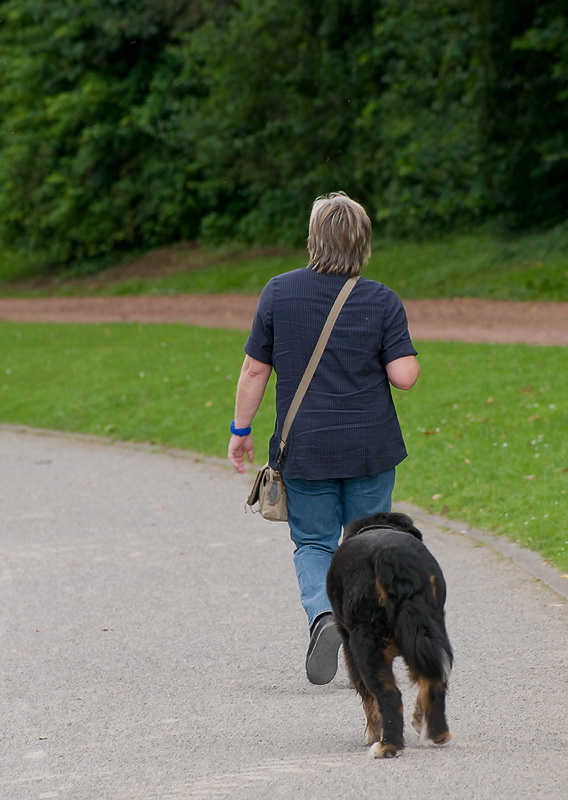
<point x="422" y="640"/>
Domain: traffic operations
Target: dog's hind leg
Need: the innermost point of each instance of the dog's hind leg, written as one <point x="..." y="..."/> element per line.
<point x="374" y="728"/>
<point x="418" y="716"/>
<point x="374" y="662"/>
<point x="432" y="702"/>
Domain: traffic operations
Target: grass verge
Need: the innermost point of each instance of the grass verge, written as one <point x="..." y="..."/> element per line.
<point x="484" y="426"/>
<point x="481" y="264"/>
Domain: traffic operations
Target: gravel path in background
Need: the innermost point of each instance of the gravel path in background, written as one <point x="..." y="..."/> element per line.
<point x="466" y="320"/>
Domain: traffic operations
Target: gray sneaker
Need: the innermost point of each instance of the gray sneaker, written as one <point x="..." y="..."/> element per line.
<point x="325" y="641"/>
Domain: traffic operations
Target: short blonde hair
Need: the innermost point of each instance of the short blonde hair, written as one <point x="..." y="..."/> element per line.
<point x="339" y="238"/>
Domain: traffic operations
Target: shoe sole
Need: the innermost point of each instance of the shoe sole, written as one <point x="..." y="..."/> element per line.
<point x="321" y="662"/>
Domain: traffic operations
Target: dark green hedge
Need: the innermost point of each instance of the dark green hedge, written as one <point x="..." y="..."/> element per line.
<point x="126" y="124"/>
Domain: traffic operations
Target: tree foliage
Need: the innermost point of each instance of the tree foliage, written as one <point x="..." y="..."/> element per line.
<point x="525" y="109"/>
<point x="420" y="121"/>
<point x="89" y="164"/>
<point x="126" y="124"/>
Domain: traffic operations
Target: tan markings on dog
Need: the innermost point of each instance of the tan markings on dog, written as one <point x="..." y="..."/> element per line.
<point x="382" y="594"/>
<point x="374" y="729"/>
<point x="413" y="675"/>
<point x="385" y="673"/>
<point x="434" y="588"/>
<point x="390" y="652"/>
<point x="418" y="716"/>
<point x="424" y="695"/>
<point x="371" y="735"/>
<point x="426" y="687"/>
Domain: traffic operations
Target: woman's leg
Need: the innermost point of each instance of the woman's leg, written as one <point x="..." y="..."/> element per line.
<point x="314" y="517"/>
<point x="362" y="497"/>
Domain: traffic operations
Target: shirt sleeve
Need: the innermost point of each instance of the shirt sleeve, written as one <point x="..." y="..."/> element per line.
<point x="396" y="338"/>
<point x="260" y="342"/>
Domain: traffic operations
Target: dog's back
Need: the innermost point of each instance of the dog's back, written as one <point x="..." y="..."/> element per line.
<point x="388" y="593"/>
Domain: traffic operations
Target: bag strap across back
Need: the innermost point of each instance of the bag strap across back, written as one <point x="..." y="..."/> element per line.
<point x="314" y="361"/>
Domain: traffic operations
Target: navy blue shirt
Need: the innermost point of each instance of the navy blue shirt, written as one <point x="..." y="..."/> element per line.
<point x="346" y="426"/>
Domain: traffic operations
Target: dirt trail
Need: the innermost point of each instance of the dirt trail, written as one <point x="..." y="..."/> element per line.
<point x="466" y="320"/>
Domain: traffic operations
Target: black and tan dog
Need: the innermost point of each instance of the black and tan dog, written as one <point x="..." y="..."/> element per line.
<point x="388" y="594"/>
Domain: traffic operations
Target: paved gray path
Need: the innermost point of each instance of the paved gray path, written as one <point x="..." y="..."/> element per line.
<point x="153" y="647"/>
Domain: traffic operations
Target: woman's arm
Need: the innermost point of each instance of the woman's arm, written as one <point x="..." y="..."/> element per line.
<point x="250" y="391"/>
<point x="403" y="372"/>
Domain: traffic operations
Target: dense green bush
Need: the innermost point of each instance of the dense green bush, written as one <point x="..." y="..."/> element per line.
<point x="524" y="109"/>
<point x="125" y="124"/>
<point x="89" y="164"/>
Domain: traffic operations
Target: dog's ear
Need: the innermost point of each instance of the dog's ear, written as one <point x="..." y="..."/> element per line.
<point x="404" y="523"/>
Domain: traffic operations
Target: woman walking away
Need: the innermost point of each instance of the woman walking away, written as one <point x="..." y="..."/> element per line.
<point x="345" y="442"/>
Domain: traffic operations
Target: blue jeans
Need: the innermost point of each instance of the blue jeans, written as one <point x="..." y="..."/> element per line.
<point x="317" y="512"/>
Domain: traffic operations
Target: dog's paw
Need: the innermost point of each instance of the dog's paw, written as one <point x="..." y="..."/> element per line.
<point x="379" y="750"/>
<point x="442" y="738"/>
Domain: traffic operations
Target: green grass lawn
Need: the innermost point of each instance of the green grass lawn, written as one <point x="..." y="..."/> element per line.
<point x="481" y="264"/>
<point x="530" y="268"/>
<point x="485" y="426"/>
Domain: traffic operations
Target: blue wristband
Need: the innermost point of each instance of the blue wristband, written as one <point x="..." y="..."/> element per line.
<point x="240" y="431"/>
